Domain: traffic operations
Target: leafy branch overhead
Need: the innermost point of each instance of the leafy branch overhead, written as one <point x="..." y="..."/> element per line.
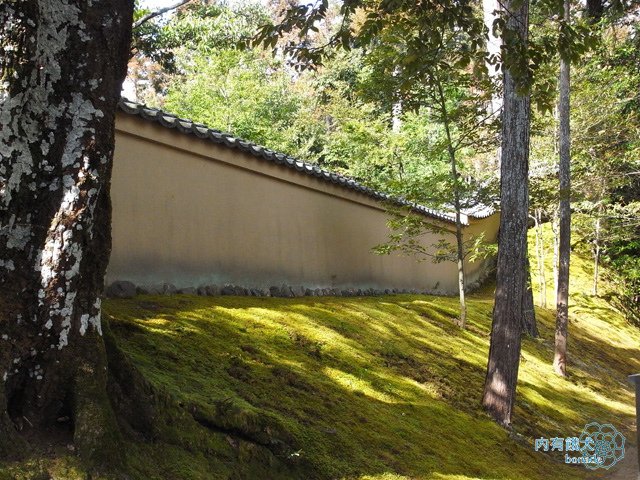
<point x="420" y="25"/>
<point x="408" y="232"/>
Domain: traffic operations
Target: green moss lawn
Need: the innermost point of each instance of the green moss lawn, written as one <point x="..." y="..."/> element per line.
<point x="380" y="388"/>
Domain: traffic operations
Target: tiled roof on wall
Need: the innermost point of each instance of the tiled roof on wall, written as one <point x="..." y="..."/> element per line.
<point x="168" y="120"/>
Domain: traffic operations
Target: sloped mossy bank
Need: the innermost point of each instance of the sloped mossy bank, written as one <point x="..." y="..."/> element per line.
<point x="381" y="388"/>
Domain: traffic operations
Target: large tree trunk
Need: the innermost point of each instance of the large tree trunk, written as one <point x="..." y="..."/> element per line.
<point x="564" y="249"/>
<point x="62" y="70"/>
<point x="511" y="277"/>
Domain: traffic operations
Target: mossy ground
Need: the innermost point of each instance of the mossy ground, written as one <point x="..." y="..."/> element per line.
<point x="380" y="388"/>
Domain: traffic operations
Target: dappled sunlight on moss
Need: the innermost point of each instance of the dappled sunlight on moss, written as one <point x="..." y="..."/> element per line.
<point x="63" y="466"/>
<point x="384" y="388"/>
<point x="357" y="385"/>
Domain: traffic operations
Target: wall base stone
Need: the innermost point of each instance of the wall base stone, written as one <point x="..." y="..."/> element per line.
<point x="126" y="289"/>
<point x="121" y="289"/>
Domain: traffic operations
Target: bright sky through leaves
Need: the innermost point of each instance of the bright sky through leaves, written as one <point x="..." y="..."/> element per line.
<point x="156" y="4"/>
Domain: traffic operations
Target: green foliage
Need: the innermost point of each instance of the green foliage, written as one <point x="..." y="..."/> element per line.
<point x="607" y="153"/>
<point x="605" y="124"/>
<point x="363" y="23"/>
<point x="417" y="68"/>
<point x="339" y="116"/>
<point x="200" y="27"/>
<point x="377" y="110"/>
<point x="206" y="28"/>
<point x="149" y="41"/>
<point x="408" y="229"/>
<point x="251" y="97"/>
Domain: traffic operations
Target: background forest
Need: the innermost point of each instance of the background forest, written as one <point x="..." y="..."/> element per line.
<point x="366" y="112"/>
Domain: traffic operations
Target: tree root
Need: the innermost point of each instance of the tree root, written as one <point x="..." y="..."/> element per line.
<point x="110" y="404"/>
<point x="96" y="433"/>
<point x="257" y="441"/>
<point x="138" y="404"/>
<point x="229" y="418"/>
<point x="11" y="445"/>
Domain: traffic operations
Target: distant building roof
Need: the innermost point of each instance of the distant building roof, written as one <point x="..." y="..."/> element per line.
<point x="189" y="127"/>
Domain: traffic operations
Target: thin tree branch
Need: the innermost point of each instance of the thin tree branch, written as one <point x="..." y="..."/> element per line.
<point x="159" y="12"/>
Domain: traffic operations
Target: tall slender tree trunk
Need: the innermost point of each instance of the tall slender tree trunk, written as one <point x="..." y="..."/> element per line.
<point x="529" y="323"/>
<point x="596" y="249"/>
<point x="61" y="73"/>
<point x="542" y="281"/>
<point x="462" y="320"/>
<point x="564" y="250"/>
<point x="556" y="246"/>
<point x="490" y="12"/>
<point x="511" y="277"/>
<point x="396" y="108"/>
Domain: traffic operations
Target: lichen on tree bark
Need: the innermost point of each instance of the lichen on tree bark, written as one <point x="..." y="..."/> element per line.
<point x="61" y="72"/>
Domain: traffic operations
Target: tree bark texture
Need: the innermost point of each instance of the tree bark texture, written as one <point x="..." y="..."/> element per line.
<point x="511" y="276"/>
<point x="540" y="255"/>
<point x="462" y="320"/>
<point x="529" y="323"/>
<point x="597" y="249"/>
<point x="490" y="12"/>
<point x="556" y="242"/>
<point x="564" y="212"/>
<point x="61" y="74"/>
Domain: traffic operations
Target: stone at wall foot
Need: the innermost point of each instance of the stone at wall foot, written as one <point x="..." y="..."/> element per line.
<point x="275" y="291"/>
<point x="158" y="289"/>
<point x="285" y="291"/>
<point x="121" y="289"/>
<point x="228" y="290"/>
<point x="213" y="290"/>
<point x="298" y="291"/>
